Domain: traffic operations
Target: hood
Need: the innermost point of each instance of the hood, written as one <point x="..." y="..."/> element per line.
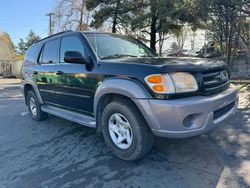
<point x="170" y="64"/>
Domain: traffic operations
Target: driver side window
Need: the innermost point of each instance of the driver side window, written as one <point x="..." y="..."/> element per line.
<point x="70" y="43"/>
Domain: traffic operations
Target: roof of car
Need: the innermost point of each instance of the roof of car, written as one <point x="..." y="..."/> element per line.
<point x="96" y="32"/>
<point x="56" y="34"/>
<point x="70" y="31"/>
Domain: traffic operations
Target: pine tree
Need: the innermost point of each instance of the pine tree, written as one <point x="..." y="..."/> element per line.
<point x="24" y="44"/>
<point x="118" y="11"/>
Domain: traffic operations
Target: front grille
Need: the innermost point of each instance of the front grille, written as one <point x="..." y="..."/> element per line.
<point x="222" y="111"/>
<point x="215" y="82"/>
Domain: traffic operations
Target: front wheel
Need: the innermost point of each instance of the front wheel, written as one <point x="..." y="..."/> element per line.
<point x="125" y="131"/>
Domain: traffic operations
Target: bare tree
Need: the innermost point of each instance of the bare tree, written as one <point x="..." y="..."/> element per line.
<point x="5" y="59"/>
<point x="72" y="14"/>
<point x="180" y="35"/>
<point x="227" y="18"/>
<point x="192" y="38"/>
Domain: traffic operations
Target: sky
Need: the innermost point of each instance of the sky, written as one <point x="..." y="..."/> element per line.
<point x="18" y="17"/>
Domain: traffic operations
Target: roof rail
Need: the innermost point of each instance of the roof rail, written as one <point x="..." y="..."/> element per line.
<point x="54" y="35"/>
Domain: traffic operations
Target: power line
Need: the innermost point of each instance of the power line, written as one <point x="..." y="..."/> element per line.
<point x="45" y="31"/>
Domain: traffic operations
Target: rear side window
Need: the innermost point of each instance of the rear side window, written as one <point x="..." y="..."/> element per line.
<point x="50" y="52"/>
<point x="32" y="54"/>
<point x="71" y="43"/>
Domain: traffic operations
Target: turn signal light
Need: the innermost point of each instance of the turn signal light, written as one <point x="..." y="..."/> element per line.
<point x="160" y="83"/>
<point x="154" y="79"/>
<point x="158" y="88"/>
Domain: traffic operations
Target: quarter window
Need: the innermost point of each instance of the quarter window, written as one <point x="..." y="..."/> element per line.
<point x="32" y="54"/>
<point x="51" y="52"/>
<point x="71" y="43"/>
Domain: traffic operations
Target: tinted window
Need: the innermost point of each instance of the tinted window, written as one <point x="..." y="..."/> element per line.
<point x="32" y="54"/>
<point x="71" y="43"/>
<point x="51" y="51"/>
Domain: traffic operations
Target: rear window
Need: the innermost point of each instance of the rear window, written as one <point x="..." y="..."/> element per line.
<point x="32" y="54"/>
<point x="51" y="52"/>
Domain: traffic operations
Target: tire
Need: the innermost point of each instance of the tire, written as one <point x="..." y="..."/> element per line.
<point x="142" y="137"/>
<point x="33" y="103"/>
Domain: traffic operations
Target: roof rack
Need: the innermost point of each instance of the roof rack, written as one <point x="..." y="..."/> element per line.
<point x="54" y="35"/>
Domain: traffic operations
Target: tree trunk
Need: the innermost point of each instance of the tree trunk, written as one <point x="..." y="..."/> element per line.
<point x="161" y="36"/>
<point x="80" y="27"/>
<point x="115" y="17"/>
<point x="229" y="47"/>
<point x="193" y="39"/>
<point x="153" y="25"/>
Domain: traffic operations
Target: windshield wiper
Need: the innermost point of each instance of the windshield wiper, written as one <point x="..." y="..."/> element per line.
<point x="118" y="56"/>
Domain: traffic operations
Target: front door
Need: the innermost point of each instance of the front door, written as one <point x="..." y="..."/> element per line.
<point x="76" y="85"/>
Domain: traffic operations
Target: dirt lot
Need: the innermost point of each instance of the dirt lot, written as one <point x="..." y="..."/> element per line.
<point x="59" y="153"/>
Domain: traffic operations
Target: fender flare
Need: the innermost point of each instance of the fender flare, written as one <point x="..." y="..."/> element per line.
<point x="35" y="88"/>
<point x="127" y="88"/>
<point x="122" y="86"/>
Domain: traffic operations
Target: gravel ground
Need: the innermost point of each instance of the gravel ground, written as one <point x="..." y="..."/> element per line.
<point x="59" y="153"/>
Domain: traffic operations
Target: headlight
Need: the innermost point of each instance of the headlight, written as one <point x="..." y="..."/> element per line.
<point x="184" y="82"/>
<point x="179" y="82"/>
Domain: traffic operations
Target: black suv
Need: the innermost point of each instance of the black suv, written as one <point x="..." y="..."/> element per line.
<point x="117" y="85"/>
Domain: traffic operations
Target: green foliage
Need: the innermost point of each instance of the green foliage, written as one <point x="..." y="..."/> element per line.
<point x="226" y="21"/>
<point x="174" y="47"/>
<point x="24" y="44"/>
<point x="9" y="48"/>
<point x="118" y="11"/>
<point x="228" y="25"/>
<point x="169" y="16"/>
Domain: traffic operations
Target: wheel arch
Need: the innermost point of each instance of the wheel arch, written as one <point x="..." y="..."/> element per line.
<point x="29" y="85"/>
<point x="115" y="89"/>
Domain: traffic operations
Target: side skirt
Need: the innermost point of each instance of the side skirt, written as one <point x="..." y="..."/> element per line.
<point x="72" y="116"/>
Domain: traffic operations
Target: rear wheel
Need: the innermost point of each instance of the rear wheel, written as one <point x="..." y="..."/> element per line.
<point x="35" y="107"/>
<point x="125" y="131"/>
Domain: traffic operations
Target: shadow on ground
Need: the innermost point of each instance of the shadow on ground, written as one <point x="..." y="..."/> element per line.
<point x="59" y="153"/>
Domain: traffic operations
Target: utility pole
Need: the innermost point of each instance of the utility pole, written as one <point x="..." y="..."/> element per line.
<point x="59" y="22"/>
<point x="51" y="23"/>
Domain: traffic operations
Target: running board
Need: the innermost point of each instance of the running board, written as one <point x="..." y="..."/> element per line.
<point x="72" y="116"/>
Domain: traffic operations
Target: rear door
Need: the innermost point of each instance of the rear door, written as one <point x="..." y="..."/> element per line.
<point x="77" y="84"/>
<point x="45" y="78"/>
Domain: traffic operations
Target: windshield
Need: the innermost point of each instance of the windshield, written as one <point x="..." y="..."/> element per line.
<point x="109" y="46"/>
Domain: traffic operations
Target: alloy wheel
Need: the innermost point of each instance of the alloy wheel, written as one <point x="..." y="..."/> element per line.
<point x="120" y="131"/>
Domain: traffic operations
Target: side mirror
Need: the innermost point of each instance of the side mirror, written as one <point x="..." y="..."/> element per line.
<point x="74" y="57"/>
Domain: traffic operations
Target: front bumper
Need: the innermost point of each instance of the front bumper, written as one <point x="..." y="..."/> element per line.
<point x="188" y="117"/>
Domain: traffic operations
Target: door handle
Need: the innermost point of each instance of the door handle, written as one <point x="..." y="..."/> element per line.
<point x="35" y="73"/>
<point x="59" y="72"/>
